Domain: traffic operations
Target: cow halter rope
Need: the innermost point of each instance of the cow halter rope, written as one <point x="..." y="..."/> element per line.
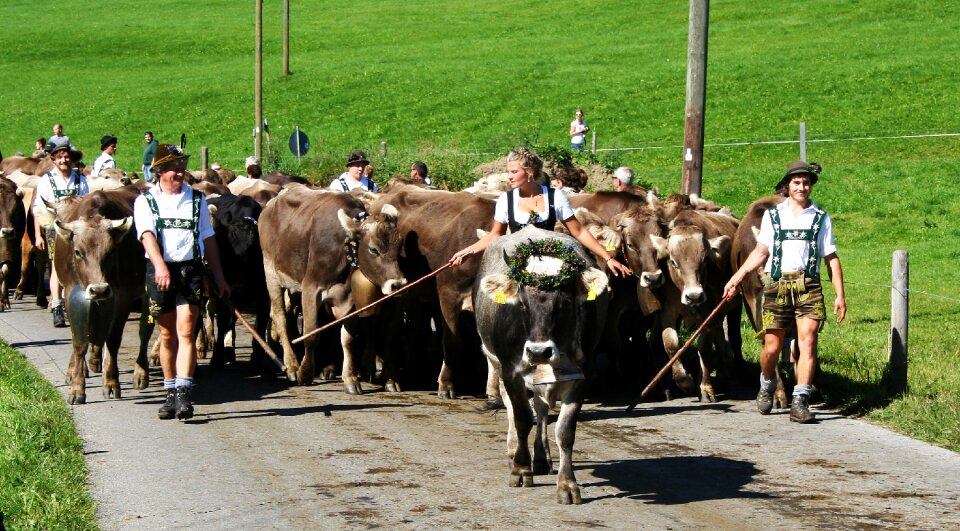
<point x="432" y="274"/>
<point x="677" y="355"/>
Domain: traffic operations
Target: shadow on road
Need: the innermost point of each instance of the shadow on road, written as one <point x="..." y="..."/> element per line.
<point x="678" y="480"/>
<point x="44" y="343"/>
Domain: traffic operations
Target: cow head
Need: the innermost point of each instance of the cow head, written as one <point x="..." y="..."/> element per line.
<point x="639" y="228"/>
<point x="238" y="219"/>
<point x="12" y="220"/>
<point x="688" y="250"/>
<point x="552" y="319"/>
<point x="93" y="244"/>
<point x="378" y="246"/>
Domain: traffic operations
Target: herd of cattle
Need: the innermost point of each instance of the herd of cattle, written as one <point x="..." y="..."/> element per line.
<point x="297" y="256"/>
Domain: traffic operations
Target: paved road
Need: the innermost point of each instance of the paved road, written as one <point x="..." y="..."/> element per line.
<point x="266" y="455"/>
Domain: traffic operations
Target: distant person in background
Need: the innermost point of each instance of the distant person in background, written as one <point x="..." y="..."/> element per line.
<point x="253" y="168"/>
<point x="578" y="131"/>
<point x="38" y="151"/>
<point x="148" y="153"/>
<point x="623" y="180"/>
<point x="569" y="180"/>
<point x="58" y="138"/>
<point x="53" y="187"/>
<point x="353" y="177"/>
<point x="108" y="146"/>
<point x="419" y="171"/>
<point x="795" y="236"/>
<point x="215" y="166"/>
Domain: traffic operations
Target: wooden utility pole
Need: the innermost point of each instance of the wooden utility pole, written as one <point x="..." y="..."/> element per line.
<point x="696" y="97"/>
<point x="258" y="82"/>
<point x="286" y="38"/>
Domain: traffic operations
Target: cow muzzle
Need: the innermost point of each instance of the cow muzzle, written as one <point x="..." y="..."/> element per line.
<point x="537" y="352"/>
<point x="393" y="285"/>
<point x="7" y="232"/>
<point x="652" y="280"/>
<point x="98" y="292"/>
<point x="693" y="297"/>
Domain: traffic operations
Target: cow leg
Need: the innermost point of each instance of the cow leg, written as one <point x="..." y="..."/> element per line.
<point x="671" y="344"/>
<point x="25" y="260"/>
<point x="706" y="355"/>
<point x="348" y="332"/>
<point x="310" y="302"/>
<point x="111" y="371"/>
<point x="223" y="311"/>
<point x="494" y="399"/>
<point x="278" y="317"/>
<point x="566" y="432"/>
<point x="155" y="353"/>
<point x="41" y="261"/>
<point x="141" y="373"/>
<point x="451" y="347"/>
<point x="95" y="358"/>
<point x="542" y="462"/>
<point x="4" y="296"/>
<point x="521" y="421"/>
<point x="75" y="374"/>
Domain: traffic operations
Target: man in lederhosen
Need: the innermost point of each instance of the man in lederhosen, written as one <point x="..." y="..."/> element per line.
<point x="794" y="236"/>
<point x="174" y="226"/>
<point x="62" y="181"/>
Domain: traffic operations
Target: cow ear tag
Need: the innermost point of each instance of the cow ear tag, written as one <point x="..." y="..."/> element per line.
<point x="499" y="296"/>
<point x="610" y="247"/>
<point x="592" y="294"/>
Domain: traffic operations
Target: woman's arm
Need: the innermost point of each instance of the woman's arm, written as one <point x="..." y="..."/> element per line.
<point x="583" y="236"/>
<point x="498" y="229"/>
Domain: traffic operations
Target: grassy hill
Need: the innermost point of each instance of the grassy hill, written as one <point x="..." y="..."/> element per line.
<point x="459" y="83"/>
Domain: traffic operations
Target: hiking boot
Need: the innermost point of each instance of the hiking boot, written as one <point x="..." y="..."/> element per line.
<point x="184" y="404"/>
<point x="764" y="402"/>
<point x="59" y="316"/>
<point x="168" y="409"/>
<point x="800" y="410"/>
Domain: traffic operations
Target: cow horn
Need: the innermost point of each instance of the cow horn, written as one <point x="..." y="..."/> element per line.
<point x="123" y="225"/>
<point x="64" y="230"/>
<point x="20" y="193"/>
<point x="390" y="213"/>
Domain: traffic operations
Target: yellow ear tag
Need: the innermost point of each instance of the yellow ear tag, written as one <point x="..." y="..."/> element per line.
<point x="610" y="247"/>
<point x="592" y="294"/>
<point x="500" y="297"/>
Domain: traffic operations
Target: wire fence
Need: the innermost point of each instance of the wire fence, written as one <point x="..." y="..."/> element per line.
<point x="917" y="291"/>
<point x="786" y="141"/>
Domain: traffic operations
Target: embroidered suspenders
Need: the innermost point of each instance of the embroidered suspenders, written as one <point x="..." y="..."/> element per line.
<point x="178" y="223"/>
<point x="69" y="191"/>
<point x="780" y="235"/>
<point x="535" y="220"/>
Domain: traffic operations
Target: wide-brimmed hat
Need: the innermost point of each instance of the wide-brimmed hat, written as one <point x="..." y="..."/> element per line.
<point x="357" y="156"/>
<point x="799" y="167"/>
<point x="106" y="140"/>
<point x="75" y="154"/>
<point x="167" y="153"/>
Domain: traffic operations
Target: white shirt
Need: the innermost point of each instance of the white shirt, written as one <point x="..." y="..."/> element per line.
<point x="561" y="206"/>
<point x="579" y="138"/>
<point x="796" y="252"/>
<point x="177" y="244"/>
<point x="366" y="183"/>
<point x="103" y="161"/>
<point x="45" y="191"/>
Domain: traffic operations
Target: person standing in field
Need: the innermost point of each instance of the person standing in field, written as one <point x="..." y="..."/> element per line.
<point x="62" y="181"/>
<point x="108" y="146"/>
<point x="173" y="224"/>
<point x="58" y="138"/>
<point x="578" y="131"/>
<point x="148" y="153"/>
<point x="794" y="237"/>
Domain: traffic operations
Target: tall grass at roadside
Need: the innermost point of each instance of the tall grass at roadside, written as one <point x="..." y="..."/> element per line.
<point x="42" y="472"/>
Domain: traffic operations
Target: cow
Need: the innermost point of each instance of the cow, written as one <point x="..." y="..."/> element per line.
<point x="697" y="248"/>
<point x="28" y="165"/>
<point x="235" y="221"/>
<point x="309" y="238"/>
<point x="101" y="265"/>
<point x="13" y="222"/>
<point x="283" y="179"/>
<point x="434" y="225"/>
<point x="540" y="337"/>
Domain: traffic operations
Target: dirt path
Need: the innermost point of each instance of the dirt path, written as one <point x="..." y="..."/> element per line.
<point x="266" y="455"/>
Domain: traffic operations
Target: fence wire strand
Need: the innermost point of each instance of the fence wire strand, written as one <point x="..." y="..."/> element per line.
<point x="920" y="292"/>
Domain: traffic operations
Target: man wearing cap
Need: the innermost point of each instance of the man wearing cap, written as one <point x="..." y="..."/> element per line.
<point x="174" y="226"/>
<point x="794" y="236"/>
<point x="353" y="177"/>
<point x="62" y="181"/>
<point x="108" y="146"/>
<point x="148" y="153"/>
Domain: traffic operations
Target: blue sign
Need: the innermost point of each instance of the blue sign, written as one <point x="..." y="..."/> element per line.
<point x="299" y="143"/>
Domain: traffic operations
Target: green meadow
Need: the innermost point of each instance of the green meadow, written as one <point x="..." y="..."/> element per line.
<point x="459" y="83"/>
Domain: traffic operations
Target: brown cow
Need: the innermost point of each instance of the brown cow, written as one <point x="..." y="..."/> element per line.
<point x="25" y="164"/>
<point x="101" y="265"/>
<point x="13" y="221"/>
<point x="434" y="225"/>
<point x="305" y="235"/>
<point x="698" y="254"/>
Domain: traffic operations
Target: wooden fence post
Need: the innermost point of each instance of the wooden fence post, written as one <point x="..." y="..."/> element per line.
<point x="383" y="149"/>
<point x="803" y="141"/>
<point x="899" y="317"/>
<point x="593" y="141"/>
<point x="203" y="158"/>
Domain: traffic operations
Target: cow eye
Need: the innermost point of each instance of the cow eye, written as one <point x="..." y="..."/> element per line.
<point x="673" y="263"/>
<point x="374" y="251"/>
<point x="77" y="254"/>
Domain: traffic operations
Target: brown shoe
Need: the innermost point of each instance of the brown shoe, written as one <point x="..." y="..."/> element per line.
<point x="800" y="410"/>
<point x="764" y="402"/>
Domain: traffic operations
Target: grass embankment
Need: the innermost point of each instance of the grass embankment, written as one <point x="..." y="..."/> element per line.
<point x="42" y="472"/>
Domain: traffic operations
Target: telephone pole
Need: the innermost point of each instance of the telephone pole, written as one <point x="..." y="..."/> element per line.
<point x="696" y="97"/>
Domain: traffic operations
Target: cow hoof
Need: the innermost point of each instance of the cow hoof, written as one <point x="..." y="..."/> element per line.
<point x="291" y="376"/>
<point x="353" y="389"/>
<point x="328" y="373"/>
<point x="686" y="384"/>
<point x="447" y="394"/>
<point x="18" y="295"/>
<point x="304" y="378"/>
<point x="42" y="302"/>
<point x="77" y="399"/>
<point x="111" y="391"/>
<point x="493" y="403"/>
<point x="95" y="364"/>
<point x="141" y="381"/>
<point x="708" y="396"/>
<point x="523" y="479"/>
<point x="568" y="495"/>
<point x="391" y="387"/>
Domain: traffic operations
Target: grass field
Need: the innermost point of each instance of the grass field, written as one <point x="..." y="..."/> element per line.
<point x="457" y="84"/>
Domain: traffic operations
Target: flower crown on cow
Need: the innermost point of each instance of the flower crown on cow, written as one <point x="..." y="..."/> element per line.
<point x="535" y="264"/>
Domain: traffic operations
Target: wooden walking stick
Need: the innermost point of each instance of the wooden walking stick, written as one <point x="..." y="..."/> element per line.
<point x="677" y="355"/>
<point x="372" y="304"/>
<point x="266" y="347"/>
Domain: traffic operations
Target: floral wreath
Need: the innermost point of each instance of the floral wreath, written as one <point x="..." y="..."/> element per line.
<point x="573" y="265"/>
